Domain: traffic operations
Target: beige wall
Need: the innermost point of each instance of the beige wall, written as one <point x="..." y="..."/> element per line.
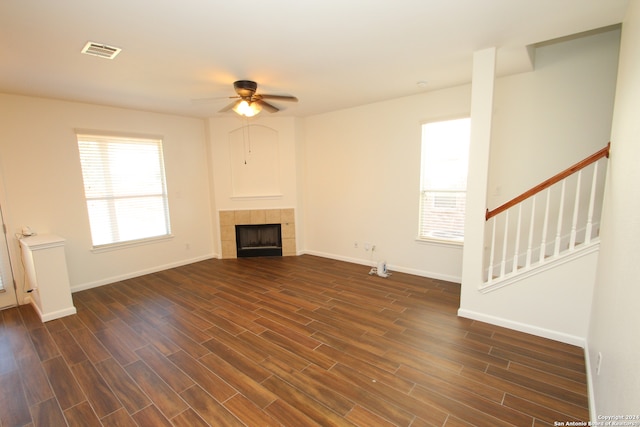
<point x="362" y="181"/>
<point x="615" y="319"/>
<point x="549" y="119"/>
<point x="43" y="185"/>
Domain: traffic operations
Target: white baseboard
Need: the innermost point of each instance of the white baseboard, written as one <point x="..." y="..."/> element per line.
<point x="113" y="279"/>
<point x="428" y="274"/>
<point x="593" y="414"/>
<point x="523" y="327"/>
<point x="390" y="267"/>
<point x="339" y="258"/>
<point x="52" y="315"/>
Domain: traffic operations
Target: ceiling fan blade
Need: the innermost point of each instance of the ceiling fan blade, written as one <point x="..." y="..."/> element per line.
<point x="278" y="97"/>
<point x="270" y="108"/>
<point x="230" y="106"/>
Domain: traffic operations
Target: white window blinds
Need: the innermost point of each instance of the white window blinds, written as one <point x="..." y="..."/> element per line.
<point x="443" y="189"/>
<point x="125" y="188"/>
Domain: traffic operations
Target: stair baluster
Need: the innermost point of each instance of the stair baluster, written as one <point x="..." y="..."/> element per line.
<point x="503" y="264"/>
<point x="576" y="207"/>
<point x="517" y="245"/>
<point x="556" y="247"/>
<point x="543" y="244"/>
<point x="527" y="263"/>
<point x="592" y="199"/>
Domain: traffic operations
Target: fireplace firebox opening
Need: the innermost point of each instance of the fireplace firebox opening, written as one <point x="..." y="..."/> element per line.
<point x="259" y="240"/>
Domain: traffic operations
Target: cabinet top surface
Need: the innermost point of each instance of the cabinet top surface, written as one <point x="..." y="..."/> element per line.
<point x="41" y="241"/>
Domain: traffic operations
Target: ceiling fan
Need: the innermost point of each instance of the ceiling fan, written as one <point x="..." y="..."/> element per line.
<point x="250" y="103"/>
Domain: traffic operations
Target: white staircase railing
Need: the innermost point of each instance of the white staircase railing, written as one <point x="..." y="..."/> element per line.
<point x="527" y="233"/>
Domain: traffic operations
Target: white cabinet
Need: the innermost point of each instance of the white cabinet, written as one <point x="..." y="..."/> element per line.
<point x="46" y="272"/>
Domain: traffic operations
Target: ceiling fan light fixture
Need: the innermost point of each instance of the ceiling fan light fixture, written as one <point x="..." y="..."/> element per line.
<point x="247" y="108"/>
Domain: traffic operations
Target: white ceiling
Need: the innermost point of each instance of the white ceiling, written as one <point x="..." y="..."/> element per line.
<point x="331" y="54"/>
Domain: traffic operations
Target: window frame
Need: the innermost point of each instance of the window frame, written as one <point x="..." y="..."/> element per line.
<point x="104" y="139"/>
<point x="423" y="238"/>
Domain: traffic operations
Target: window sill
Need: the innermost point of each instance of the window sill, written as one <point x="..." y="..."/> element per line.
<point x="132" y="243"/>
<point x="257" y="197"/>
<point x="439" y="242"/>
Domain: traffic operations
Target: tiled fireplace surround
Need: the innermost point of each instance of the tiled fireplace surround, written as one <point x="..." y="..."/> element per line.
<point x="229" y="220"/>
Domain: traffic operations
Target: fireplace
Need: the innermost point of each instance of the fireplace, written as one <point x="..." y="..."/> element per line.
<point x="259" y="240"/>
<point x="230" y="218"/>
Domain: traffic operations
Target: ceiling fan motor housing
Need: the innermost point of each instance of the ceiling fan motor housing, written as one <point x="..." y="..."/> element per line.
<point x="245" y="88"/>
<point x="246" y="91"/>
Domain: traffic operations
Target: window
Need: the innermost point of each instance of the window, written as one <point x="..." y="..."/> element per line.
<point x="443" y="186"/>
<point x="125" y="189"/>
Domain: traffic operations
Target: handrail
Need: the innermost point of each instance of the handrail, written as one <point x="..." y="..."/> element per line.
<point x="549" y="182"/>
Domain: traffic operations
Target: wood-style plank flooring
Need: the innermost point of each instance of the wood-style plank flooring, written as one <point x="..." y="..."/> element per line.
<point x="293" y="341"/>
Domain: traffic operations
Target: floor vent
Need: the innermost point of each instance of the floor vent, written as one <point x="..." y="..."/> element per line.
<point x="101" y="50"/>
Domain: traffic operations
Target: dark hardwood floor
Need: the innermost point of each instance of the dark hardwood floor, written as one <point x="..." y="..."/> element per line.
<point x="291" y="341"/>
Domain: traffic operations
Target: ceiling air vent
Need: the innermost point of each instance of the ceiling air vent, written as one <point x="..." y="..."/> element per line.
<point x="101" y="50"/>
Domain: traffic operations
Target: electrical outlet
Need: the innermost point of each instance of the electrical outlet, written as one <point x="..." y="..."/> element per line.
<point x="599" y="363"/>
<point x="367" y="246"/>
